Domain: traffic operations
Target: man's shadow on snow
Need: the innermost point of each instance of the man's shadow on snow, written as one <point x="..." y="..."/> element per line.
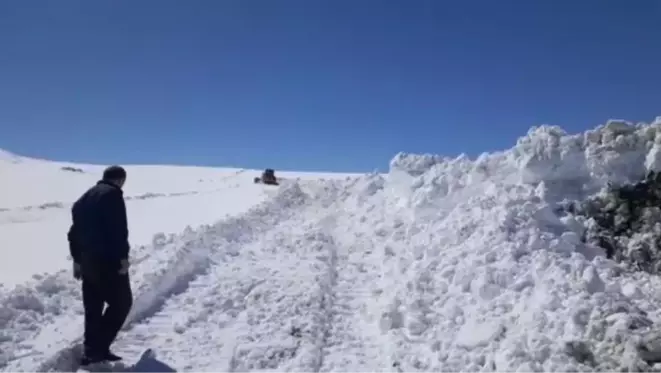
<point x="148" y="362"/>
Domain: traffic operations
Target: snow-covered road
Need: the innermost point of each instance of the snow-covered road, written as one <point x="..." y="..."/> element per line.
<point x="272" y="288"/>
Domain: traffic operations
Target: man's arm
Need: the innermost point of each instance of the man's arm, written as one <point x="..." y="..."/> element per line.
<point x="116" y="226"/>
<point x="73" y="236"/>
<point x="74" y="245"/>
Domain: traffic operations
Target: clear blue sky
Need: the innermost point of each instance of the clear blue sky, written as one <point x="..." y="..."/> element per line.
<point x="336" y="85"/>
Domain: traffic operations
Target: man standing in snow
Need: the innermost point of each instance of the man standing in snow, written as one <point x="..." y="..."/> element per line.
<point x="99" y="246"/>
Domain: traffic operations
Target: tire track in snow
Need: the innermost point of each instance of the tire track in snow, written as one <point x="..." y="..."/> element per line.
<point x="319" y="322"/>
<point x="215" y="322"/>
<point x="285" y="323"/>
<point x="181" y="327"/>
<point x="293" y="301"/>
<point x="281" y="281"/>
<point x="190" y="259"/>
<point x="353" y="342"/>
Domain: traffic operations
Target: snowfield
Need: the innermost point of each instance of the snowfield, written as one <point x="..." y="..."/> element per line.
<point x="36" y="197"/>
<point x="441" y="264"/>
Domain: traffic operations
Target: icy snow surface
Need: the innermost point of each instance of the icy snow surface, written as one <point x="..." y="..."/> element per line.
<point x="442" y="264"/>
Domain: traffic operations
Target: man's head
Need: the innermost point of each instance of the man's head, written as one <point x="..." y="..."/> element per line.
<point x="115" y="175"/>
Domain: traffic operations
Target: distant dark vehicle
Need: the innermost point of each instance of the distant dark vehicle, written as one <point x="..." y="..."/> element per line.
<point x="268" y="177"/>
<point x="72" y="169"/>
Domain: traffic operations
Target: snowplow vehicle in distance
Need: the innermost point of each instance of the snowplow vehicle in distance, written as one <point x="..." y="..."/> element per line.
<point x="268" y="177"/>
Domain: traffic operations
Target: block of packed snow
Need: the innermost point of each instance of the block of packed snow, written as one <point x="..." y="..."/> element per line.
<point x="593" y="283"/>
<point x="546" y="153"/>
<point x="414" y="164"/>
<point x="475" y="334"/>
<point x="631" y="290"/>
<point x="653" y="158"/>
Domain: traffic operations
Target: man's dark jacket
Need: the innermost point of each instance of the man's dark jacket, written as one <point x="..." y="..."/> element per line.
<point x="99" y="231"/>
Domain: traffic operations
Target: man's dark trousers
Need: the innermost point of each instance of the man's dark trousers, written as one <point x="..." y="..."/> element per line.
<point x="102" y="283"/>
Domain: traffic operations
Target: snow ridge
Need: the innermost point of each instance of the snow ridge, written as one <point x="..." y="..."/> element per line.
<point x="497" y="280"/>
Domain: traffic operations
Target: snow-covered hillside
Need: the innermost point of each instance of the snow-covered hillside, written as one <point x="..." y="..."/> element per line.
<point x="442" y="264"/>
<point x="36" y="196"/>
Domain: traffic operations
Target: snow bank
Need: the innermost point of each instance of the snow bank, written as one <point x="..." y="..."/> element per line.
<point x="580" y="164"/>
<point x="494" y="279"/>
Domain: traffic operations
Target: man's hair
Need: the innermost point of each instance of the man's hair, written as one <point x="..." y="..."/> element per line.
<point x="114" y="173"/>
